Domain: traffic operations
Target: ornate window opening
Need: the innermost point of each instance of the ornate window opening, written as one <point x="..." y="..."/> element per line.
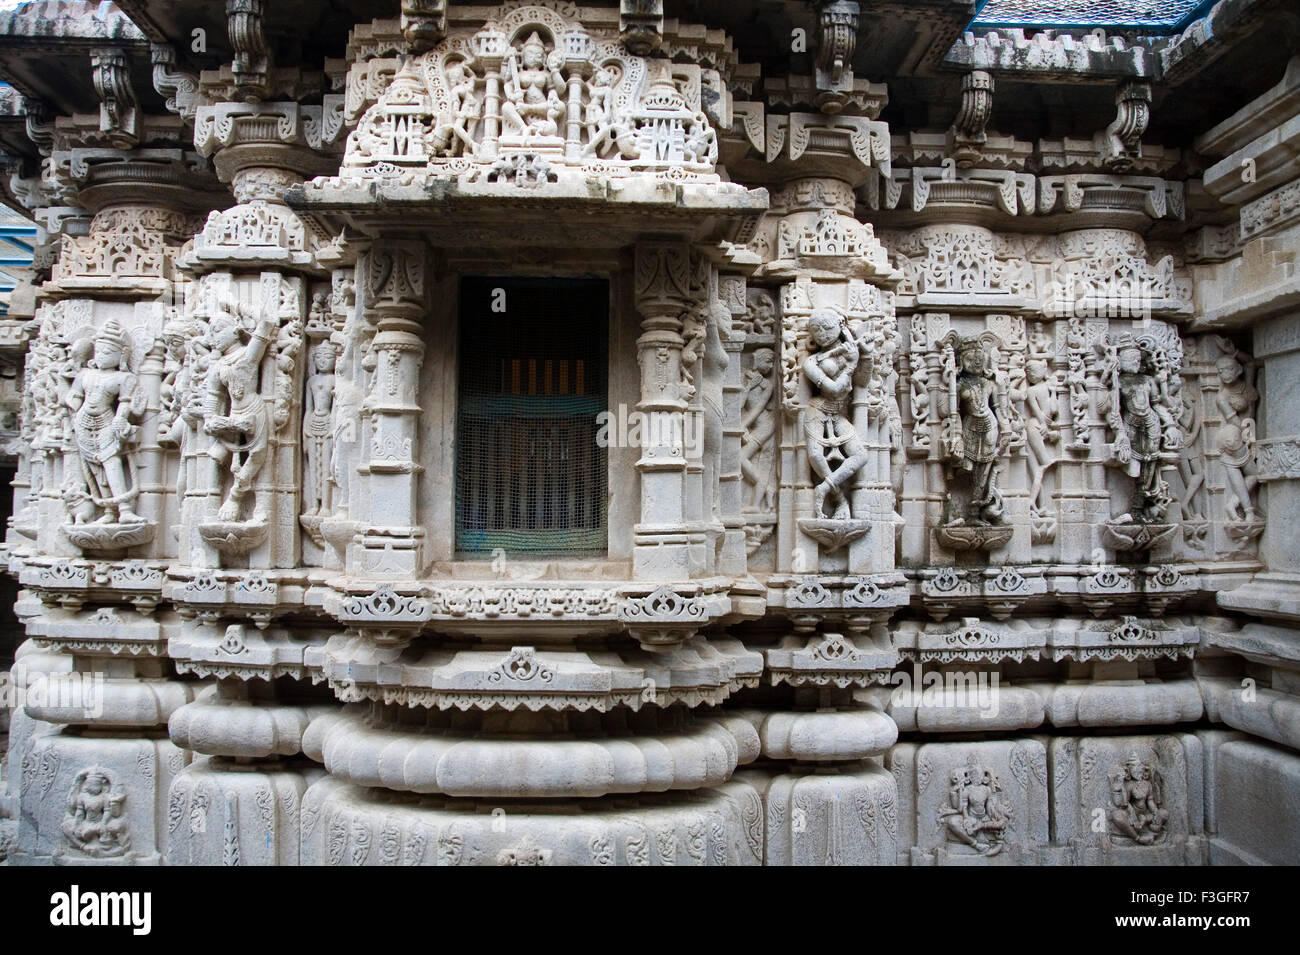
<point x="531" y="478"/>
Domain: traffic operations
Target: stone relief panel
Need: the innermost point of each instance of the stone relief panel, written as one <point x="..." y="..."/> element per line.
<point x="535" y="96"/>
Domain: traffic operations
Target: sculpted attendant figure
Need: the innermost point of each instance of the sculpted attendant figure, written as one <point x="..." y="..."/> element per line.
<point x="1043" y="426"/>
<point x="103" y="398"/>
<point x="1235" y="399"/>
<point x="983" y="436"/>
<point x="835" y="451"/>
<point x="1142" y="423"/>
<point x="236" y="414"/>
<point x="318" y="430"/>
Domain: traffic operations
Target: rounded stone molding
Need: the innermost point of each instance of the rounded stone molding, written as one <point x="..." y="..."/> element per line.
<point x="824" y="735"/>
<point x="82" y="699"/>
<point x="241" y="729"/>
<point x="358" y="750"/>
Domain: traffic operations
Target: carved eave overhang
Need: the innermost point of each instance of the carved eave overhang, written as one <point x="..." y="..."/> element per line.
<point x="926" y="184"/>
<point x="592" y="212"/>
<point x="160" y="169"/>
<point x="210" y="650"/>
<point x="46" y="50"/>
<point x="1054" y="56"/>
<point x="699" y="672"/>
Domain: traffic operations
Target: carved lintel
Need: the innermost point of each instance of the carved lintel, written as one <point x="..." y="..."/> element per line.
<point x="641" y="25"/>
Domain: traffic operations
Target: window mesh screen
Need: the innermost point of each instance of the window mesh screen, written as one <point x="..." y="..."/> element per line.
<point x="530" y="478"/>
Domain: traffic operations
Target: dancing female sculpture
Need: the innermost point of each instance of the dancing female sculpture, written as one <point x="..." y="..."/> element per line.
<point x="835" y="451"/>
<point x="1235" y="399"/>
<point x="236" y="414"/>
<point x="1143" y="424"/>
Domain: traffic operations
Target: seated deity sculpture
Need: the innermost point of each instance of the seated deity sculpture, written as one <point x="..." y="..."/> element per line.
<point x="94" y="822"/>
<point x="975" y="815"/>
<point x="1135" y="794"/>
<point x="534" y="88"/>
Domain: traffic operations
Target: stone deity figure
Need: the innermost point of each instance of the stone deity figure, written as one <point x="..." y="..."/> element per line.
<point x="455" y="132"/>
<point x="1235" y="399"/>
<point x="1135" y="796"/>
<point x="975" y="815"/>
<point x="104" y="398"/>
<point x="1043" y="427"/>
<point x="604" y="127"/>
<point x="534" y="90"/>
<point x="762" y="313"/>
<point x="318" y="430"/>
<point x="758" y="419"/>
<point x="94" y="822"/>
<point x="236" y="413"/>
<point x="835" y="452"/>
<point x="1143" y="425"/>
<point x="1190" y="466"/>
<point x="979" y="434"/>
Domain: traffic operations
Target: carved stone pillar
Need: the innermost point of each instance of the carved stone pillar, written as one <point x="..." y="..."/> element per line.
<point x="391" y="540"/>
<point x="662" y="548"/>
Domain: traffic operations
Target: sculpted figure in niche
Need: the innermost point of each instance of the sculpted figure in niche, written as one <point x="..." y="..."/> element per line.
<point x="605" y="129"/>
<point x="94" y="822"/>
<point x="1235" y="399"/>
<point x="758" y="418"/>
<point x="180" y="397"/>
<point x="835" y="452"/>
<point x="1043" y="427"/>
<point x="1135" y="791"/>
<point x="236" y="415"/>
<point x="762" y="313"/>
<point x="975" y="815"/>
<point x="1190" y="463"/>
<point x="454" y="134"/>
<point x="979" y="435"/>
<point x="104" y="398"/>
<point x="1143" y="425"/>
<point x="318" y="429"/>
<point x="534" y="88"/>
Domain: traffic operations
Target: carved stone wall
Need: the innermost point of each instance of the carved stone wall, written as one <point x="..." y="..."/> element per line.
<point x="954" y="525"/>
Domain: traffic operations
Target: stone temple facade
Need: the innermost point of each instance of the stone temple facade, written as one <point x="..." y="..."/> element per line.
<point x="654" y="433"/>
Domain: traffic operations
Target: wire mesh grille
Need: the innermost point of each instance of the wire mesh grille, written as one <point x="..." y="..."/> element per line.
<point x="530" y="478"/>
